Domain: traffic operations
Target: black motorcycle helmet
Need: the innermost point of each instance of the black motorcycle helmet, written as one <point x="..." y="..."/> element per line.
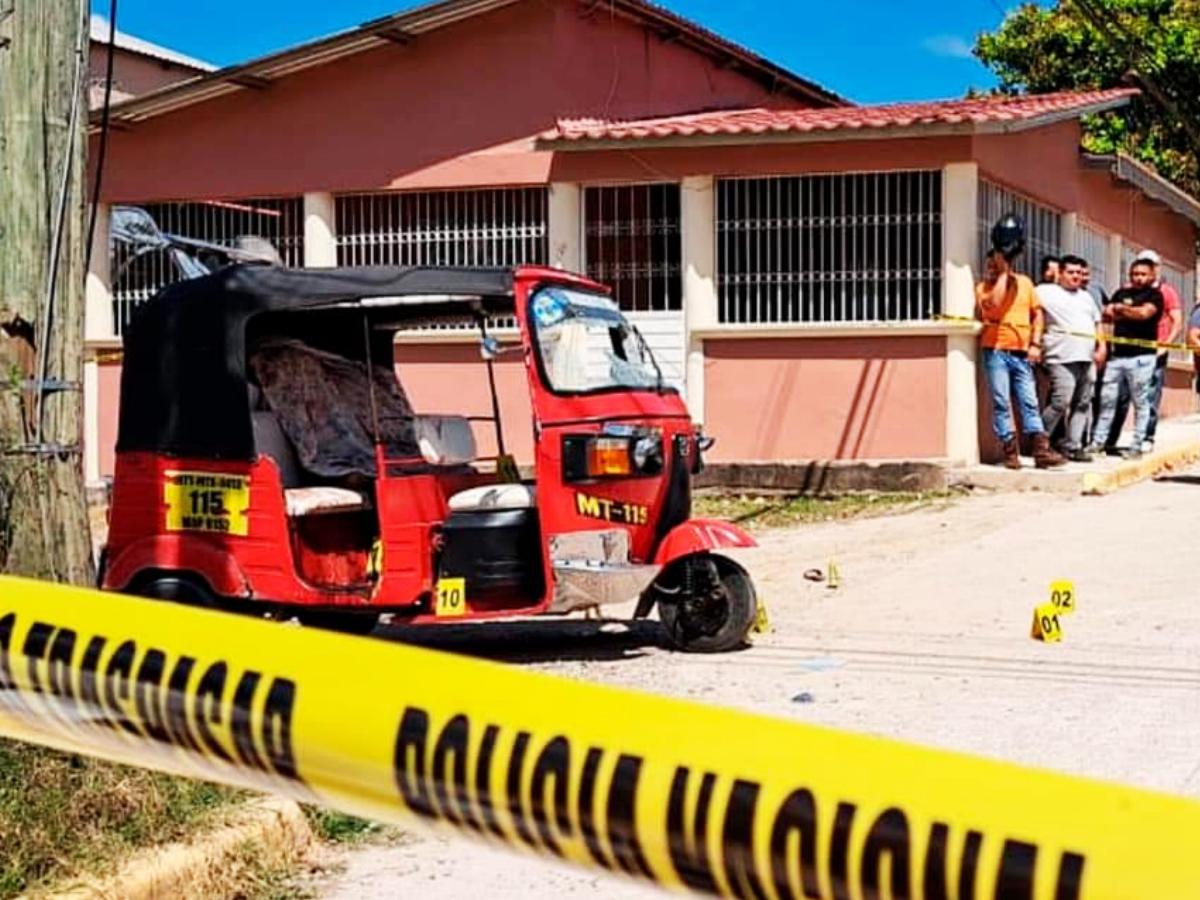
<point x="1008" y="236"/>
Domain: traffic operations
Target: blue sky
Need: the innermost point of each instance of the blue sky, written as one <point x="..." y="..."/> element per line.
<point x="868" y="50"/>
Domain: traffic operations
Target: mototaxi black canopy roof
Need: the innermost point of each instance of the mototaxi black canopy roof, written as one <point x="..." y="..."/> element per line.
<point x="184" y="382"/>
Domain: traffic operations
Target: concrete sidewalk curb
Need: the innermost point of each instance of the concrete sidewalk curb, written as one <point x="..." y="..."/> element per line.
<point x="277" y="830"/>
<point x="820" y="477"/>
<point x="1098" y="483"/>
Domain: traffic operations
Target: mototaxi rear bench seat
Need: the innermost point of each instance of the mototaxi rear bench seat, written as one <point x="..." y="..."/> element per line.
<point x="270" y="440"/>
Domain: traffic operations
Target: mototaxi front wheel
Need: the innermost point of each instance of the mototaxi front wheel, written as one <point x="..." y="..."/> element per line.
<point x="706" y="603"/>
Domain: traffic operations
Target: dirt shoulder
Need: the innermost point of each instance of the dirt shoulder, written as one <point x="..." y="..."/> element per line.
<point x="927" y="640"/>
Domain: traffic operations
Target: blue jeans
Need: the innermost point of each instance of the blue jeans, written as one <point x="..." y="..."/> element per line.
<point x="1137" y="374"/>
<point x="1006" y="372"/>
<point x="1157" y="383"/>
<point x="1156" y="392"/>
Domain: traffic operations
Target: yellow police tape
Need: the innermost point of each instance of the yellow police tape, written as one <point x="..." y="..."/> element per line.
<point x="1107" y="338"/>
<point x="672" y="792"/>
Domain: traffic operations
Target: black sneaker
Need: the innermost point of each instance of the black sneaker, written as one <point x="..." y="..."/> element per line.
<point x="1081" y="455"/>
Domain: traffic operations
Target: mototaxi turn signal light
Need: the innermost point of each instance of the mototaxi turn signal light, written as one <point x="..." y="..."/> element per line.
<point x="608" y="456"/>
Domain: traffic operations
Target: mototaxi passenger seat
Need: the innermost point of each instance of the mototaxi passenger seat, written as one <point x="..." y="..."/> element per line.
<point x="494" y="498"/>
<point x="449" y="441"/>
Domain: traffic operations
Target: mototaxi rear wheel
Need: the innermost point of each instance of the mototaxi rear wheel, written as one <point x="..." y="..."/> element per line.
<point x="176" y="587"/>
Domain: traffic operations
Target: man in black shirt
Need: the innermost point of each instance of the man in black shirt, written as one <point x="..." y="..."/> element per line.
<point x="1134" y="313"/>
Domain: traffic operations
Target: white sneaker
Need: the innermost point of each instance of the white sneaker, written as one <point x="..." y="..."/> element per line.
<point x="1147" y="446"/>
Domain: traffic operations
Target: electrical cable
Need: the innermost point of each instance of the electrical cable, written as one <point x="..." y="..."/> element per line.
<point x="616" y="58"/>
<point x="55" y="248"/>
<point x="103" y="148"/>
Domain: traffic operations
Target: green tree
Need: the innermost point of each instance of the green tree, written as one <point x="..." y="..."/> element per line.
<point x="1090" y="44"/>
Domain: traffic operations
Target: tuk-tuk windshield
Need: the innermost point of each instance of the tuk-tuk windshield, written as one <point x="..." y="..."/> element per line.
<point x="586" y="344"/>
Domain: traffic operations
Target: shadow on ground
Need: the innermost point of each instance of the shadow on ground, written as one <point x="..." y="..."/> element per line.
<point x="530" y="641"/>
<point x="1179" y="479"/>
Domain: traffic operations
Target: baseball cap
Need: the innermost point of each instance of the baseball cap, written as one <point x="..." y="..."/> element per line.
<point x="1148" y="256"/>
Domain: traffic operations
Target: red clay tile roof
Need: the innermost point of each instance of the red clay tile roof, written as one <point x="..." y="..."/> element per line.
<point x="1025" y="110"/>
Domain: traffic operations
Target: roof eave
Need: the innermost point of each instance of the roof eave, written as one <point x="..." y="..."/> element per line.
<point x="827" y="135"/>
<point x="755" y="138"/>
<point x="1143" y="178"/>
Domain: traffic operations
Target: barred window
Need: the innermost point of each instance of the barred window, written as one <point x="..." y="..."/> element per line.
<point x="862" y="247"/>
<point x="632" y="243"/>
<point x="1043" y="225"/>
<point x="1092" y="245"/>
<point x="136" y="277"/>
<point x="491" y="227"/>
<point x="1128" y="254"/>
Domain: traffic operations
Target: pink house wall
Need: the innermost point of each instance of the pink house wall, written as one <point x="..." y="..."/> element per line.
<point x="452" y="379"/>
<point x="480" y="89"/>
<point x="1045" y="163"/>
<point x="1179" y="397"/>
<point x="826" y="398"/>
<point x="110" y="401"/>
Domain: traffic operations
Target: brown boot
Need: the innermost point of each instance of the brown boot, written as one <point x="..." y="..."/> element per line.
<point x="1012" y="454"/>
<point x="1043" y="456"/>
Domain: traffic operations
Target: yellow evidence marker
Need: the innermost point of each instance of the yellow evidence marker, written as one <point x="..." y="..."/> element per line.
<point x="451" y="597"/>
<point x="762" y="624"/>
<point x="1046" y="626"/>
<point x="1063" y="596"/>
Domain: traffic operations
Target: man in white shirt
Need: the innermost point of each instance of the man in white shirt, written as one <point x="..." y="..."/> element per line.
<point x="1070" y="354"/>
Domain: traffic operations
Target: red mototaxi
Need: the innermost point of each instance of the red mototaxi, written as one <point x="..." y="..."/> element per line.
<point x="267" y="460"/>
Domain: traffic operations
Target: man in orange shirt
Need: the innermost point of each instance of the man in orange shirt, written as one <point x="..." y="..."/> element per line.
<point x="1013" y="323"/>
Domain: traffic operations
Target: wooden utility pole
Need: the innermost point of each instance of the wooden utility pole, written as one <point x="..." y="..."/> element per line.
<point x="43" y="116"/>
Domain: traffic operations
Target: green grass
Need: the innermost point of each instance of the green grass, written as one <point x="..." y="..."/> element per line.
<point x="63" y="815"/>
<point x="340" y="828"/>
<point x="757" y="512"/>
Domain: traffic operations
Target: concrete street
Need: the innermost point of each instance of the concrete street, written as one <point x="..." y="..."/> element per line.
<point x="926" y="640"/>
